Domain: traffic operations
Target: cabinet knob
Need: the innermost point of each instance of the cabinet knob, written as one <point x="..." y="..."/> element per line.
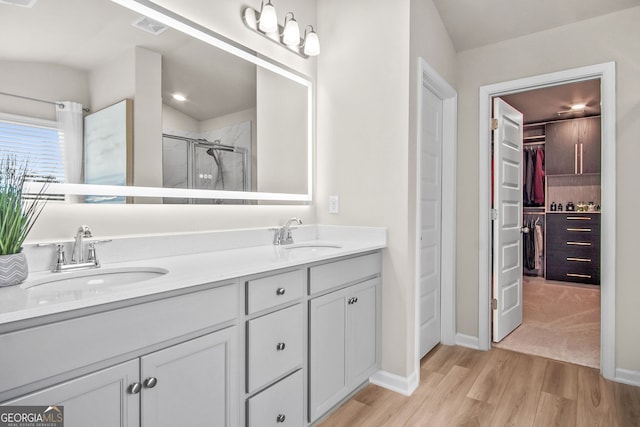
<point x="280" y="291"/>
<point x="280" y="346"/>
<point x="280" y="418"/>
<point x="150" y="382"/>
<point x="355" y="300"/>
<point x="135" y="388"/>
<point x="350" y="301"/>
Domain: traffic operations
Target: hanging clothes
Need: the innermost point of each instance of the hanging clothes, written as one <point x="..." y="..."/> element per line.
<point x="537" y="193"/>
<point x="529" y="168"/>
<point x="539" y="247"/>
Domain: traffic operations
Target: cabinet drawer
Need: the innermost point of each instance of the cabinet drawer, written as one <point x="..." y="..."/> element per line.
<point x="279" y="405"/>
<point x="334" y="274"/>
<point x="573" y="271"/>
<point x="271" y="291"/>
<point x="274" y="345"/>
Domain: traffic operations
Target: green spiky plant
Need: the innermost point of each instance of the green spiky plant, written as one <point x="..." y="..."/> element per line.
<point x="17" y="214"/>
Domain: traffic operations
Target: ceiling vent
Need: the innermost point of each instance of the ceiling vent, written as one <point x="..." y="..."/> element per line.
<point x="21" y="3"/>
<point x="149" y="25"/>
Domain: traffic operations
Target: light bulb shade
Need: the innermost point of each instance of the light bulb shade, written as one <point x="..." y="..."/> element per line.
<point x="268" y="22"/>
<point x="291" y="34"/>
<point x="311" y="44"/>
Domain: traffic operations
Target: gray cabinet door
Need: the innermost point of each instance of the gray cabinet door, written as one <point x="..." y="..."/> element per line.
<point x="361" y="332"/>
<point x="561" y="152"/>
<point x="327" y="352"/>
<point x="195" y="383"/>
<point x="100" y="399"/>
<point x="589" y="140"/>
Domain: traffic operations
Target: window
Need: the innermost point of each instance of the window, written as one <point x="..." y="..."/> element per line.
<point x="38" y="142"/>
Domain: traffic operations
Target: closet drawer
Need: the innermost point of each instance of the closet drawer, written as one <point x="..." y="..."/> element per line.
<point x="280" y="405"/>
<point x="574" y="270"/>
<point x="274" y="345"/>
<point x="268" y="292"/>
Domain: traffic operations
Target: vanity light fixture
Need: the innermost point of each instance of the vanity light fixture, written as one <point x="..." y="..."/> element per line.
<point x="311" y="44"/>
<point x="266" y="24"/>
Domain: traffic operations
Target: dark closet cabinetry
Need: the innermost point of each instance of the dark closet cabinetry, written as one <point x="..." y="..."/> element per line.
<point x="573" y="247"/>
<point x="573" y="147"/>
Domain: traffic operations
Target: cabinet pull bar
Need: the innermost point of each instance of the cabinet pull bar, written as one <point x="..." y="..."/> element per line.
<point x="579" y="259"/>
<point x="582" y="276"/>
<point x="585" y="230"/>
<point x="578" y="218"/>
<point x="575" y="158"/>
<point x="579" y="243"/>
<point x="581" y="157"/>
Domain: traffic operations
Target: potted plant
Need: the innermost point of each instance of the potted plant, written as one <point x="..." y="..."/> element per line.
<point x="18" y="214"/>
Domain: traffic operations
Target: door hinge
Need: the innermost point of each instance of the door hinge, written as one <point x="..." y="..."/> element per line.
<point x="494" y="124"/>
<point x="494" y="214"/>
<point x="494" y="304"/>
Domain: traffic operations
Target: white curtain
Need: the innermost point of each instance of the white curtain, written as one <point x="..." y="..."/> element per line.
<point x="70" y="121"/>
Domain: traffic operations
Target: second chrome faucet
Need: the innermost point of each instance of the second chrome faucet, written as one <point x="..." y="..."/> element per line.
<point x="282" y="235"/>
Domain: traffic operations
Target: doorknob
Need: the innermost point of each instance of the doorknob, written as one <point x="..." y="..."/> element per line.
<point x="525" y="230"/>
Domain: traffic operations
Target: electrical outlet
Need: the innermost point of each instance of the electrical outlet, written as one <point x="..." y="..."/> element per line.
<point x="334" y="204"/>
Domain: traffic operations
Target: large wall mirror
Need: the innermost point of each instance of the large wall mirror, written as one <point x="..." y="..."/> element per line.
<point x="149" y="107"/>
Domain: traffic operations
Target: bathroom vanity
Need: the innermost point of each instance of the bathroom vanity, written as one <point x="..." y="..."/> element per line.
<point x="255" y="335"/>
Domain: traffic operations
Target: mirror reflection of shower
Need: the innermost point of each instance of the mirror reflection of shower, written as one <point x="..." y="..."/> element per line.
<point x="198" y="163"/>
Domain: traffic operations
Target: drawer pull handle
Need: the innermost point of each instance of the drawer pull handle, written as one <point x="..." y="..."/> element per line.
<point x="280" y="291"/>
<point x="135" y="388"/>
<point x="280" y="418"/>
<point x="280" y="346"/>
<point x="579" y="243"/>
<point x="579" y="259"/>
<point x="352" y="300"/>
<point x="150" y="382"/>
<point x="579" y="218"/>
<point x="582" y="276"/>
<point x="584" y="230"/>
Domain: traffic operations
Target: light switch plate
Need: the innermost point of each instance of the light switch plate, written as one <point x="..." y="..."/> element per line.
<point x="334" y="204"/>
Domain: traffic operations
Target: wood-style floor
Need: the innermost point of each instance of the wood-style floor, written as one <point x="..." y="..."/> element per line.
<point x="465" y="387"/>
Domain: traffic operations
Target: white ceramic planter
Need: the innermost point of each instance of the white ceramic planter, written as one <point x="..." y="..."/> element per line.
<point x="13" y="269"/>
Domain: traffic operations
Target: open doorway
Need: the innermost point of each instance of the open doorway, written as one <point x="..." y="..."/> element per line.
<point x="560" y="201"/>
<point x="606" y="73"/>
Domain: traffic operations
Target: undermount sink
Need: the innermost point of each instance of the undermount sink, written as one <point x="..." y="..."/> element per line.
<point x="70" y="285"/>
<point x="311" y="247"/>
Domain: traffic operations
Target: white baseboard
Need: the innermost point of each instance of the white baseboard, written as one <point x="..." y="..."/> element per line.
<point x="467" y="341"/>
<point x="627" y="376"/>
<point x="393" y="382"/>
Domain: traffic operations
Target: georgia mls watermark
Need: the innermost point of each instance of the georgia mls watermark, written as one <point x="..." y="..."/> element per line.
<point x="31" y="416"/>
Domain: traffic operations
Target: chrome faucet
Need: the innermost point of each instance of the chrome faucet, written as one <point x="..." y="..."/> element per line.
<point x="78" y="261"/>
<point x="84" y="232"/>
<point x="283" y="235"/>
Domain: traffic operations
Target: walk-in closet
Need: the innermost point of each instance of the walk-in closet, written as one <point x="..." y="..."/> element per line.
<point x="561" y="223"/>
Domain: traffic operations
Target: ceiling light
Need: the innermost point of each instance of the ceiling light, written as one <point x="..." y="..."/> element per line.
<point x="576" y="107"/>
<point x="291" y="33"/>
<point x="179" y="97"/>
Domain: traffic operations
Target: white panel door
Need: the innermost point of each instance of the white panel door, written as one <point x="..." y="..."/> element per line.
<point x="430" y="220"/>
<point x="507" y="241"/>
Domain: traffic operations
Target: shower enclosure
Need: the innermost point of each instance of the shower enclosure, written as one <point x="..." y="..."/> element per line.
<point x="206" y="165"/>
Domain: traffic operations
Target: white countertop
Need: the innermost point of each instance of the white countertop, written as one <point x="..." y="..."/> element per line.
<point x="26" y="301"/>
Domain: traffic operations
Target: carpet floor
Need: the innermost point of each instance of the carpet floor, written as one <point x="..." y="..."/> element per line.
<point x="560" y="322"/>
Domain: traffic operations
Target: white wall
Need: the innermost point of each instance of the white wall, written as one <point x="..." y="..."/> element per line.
<point x="49" y="82"/>
<point x="365" y="152"/>
<point x="612" y="37"/>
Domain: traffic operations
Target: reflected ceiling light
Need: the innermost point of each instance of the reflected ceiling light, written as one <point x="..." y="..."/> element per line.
<point x="576" y="107"/>
<point x="311" y="44"/>
<point x="266" y="24"/>
<point x="179" y="97"/>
